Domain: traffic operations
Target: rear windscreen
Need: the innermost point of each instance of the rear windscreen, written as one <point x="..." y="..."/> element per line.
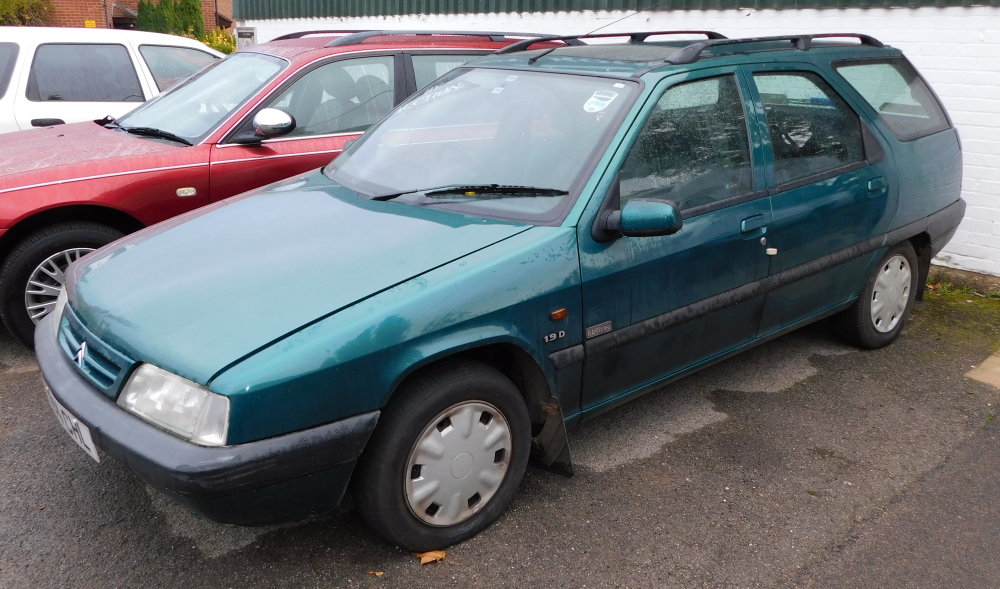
<point x="8" y="54"/>
<point x="898" y="94"/>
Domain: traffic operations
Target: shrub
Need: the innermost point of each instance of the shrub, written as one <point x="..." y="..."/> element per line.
<point x="221" y="40"/>
<point x="181" y="17"/>
<point x="26" y="12"/>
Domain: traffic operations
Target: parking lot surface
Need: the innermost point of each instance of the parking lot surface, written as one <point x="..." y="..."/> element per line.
<point x="803" y="462"/>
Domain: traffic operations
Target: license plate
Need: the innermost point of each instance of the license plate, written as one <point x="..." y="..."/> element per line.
<point x="76" y="430"/>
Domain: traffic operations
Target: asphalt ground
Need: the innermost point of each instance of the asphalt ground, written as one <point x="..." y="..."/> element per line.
<point x="801" y="463"/>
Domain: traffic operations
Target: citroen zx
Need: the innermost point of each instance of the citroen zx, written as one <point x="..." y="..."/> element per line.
<point x="531" y="240"/>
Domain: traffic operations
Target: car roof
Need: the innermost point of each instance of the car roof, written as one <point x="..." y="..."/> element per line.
<point x="87" y="35"/>
<point x="309" y="44"/>
<point x="638" y="57"/>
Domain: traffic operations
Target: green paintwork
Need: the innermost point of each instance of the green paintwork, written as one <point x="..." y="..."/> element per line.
<point x="646" y="218"/>
<point x="273" y="9"/>
<point x="305" y="303"/>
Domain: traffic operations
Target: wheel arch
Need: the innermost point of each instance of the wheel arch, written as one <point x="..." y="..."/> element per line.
<point x="549" y="441"/>
<point x="93" y="213"/>
<point x="922" y="247"/>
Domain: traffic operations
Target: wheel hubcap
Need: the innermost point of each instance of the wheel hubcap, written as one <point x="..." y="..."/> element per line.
<point x="891" y="294"/>
<point x="457" y="463"/>
<point x="47" y="280"/>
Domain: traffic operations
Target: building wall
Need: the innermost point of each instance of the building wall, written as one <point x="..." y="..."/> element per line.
<point x="957" y="49"/>
<point x="73" y="13"/>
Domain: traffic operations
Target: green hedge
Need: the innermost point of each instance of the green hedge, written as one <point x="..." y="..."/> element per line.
<point x="181" y="17"/>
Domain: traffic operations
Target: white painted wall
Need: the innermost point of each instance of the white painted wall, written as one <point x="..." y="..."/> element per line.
<point x="956" y="49"/>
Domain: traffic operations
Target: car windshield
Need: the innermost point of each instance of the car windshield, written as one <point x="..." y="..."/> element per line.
<point x="193" y="109"/>
<point x="502" y="144"/>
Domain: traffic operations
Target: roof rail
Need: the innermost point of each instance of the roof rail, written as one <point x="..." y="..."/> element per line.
<point x="638" y="37"/>
<point x="692" y="52"/>
<point x="360" y="36"/>
<point x="301" y="34"/>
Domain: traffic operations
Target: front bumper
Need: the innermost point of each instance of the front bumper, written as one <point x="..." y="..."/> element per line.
<point x="289" y="477"/>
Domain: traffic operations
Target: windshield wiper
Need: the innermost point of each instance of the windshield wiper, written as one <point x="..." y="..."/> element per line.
<point x="153" y="132"/>
<point x="476" y="190"/>
<point x="109" y="122"/>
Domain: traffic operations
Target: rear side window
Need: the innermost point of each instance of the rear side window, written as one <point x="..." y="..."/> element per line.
<point x="812" y="129"/>
<point x="693" y="149"/>
<point x="427" y="68"/>
<point x="899" y="96"/>
<point x="83" y="73"/>
<point x="170" y="65"/>
<point x="8" y="55"/>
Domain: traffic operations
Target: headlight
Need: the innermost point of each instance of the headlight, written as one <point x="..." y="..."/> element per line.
<point x="57" y="311"/>
<point x="177" y="405"/>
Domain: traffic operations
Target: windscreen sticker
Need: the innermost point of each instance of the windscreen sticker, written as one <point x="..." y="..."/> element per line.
<point x="510" y="78"/>
<point x="599" y="101"/>
<point x="619" y="85"/>
<point x="498" y="89"/>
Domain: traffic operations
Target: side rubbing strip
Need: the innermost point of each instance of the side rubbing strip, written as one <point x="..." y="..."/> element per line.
<point x="936" y="224"/>
<point x="567" y="357"/>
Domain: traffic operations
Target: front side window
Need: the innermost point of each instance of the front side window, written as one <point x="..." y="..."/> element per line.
<point x="812" y="129"/>
<point x="198" y="105"/>
<point x="83" y="72"/>
<point x="170" y="65"/>
<point x="899" y="96"/>
<point x="340" y="97"/>
<point x="501" y="144"/>
<point x="427" y="68"/>
<point x="8" y="55"/>
<point x="693" y="148"/>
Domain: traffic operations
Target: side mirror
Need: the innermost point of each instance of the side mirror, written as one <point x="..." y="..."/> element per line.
<point x="271" y="122"/>
<point x="641" y="217"/>
<point x="646" y="217"/>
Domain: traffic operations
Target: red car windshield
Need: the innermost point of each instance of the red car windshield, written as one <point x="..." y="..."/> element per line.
<point x="195" y="108"/>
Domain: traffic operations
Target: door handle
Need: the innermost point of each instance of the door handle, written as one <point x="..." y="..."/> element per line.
<point x="751" y="224"/>
<point x="877" y="186"/>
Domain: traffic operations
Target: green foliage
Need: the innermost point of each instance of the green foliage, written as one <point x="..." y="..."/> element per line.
<point x="26" y="13"/>
<point x="180" y="17"/>
<point x="221" y="40"/>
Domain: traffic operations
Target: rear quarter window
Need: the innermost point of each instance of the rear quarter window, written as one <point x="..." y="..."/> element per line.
<point x="8" y="55"/>
<point x="84" y="72"/>
<point x="898" y="94"/>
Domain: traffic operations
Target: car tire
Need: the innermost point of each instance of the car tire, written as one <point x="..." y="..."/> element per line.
<point x="877" y="317"/>
<point x="44" y="255"/>
<point x="446" y="458"/>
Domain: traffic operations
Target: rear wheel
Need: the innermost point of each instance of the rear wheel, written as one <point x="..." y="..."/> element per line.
<point x="446" y="459"/>
<point x="879" y="314"/>
<point x="34" y="273"/>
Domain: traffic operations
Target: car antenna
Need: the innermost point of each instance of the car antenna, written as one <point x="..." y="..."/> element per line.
<point x="635" y="12"/>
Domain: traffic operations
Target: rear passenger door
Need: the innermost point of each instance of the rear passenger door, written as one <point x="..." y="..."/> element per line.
<point x="830" y="185"/>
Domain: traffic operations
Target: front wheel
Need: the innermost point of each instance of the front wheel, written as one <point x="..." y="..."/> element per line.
<point x="879" y="314"/>
<point x="34" y="273"/>
<point x="446" y="458"/>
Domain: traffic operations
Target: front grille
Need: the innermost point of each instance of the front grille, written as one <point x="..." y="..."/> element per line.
<point x="101" y="364"/>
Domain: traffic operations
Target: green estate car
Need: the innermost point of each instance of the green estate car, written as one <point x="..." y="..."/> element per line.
<point x="531" y="240"/>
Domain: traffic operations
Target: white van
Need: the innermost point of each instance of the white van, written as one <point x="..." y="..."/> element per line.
<point x="52" y="75"/>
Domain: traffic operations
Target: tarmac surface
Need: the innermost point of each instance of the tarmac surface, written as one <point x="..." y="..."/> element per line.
<point x="801" y="463"/>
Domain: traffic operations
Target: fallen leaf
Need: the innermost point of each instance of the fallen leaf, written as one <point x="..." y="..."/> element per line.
<point x="376" y="573"/>
<point x="432" y="556"/>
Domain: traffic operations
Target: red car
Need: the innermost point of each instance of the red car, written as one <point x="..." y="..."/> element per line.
<point x="260" y="115"/>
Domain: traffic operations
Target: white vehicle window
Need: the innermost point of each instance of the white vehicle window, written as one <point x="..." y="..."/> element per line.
<point x="83" y="72"/>
<point x="8" y="55"/>
<point x="170" y="65"/>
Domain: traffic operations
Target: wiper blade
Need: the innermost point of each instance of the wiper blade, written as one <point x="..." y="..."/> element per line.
<point x="496" y="189"/>
<point x="475" y="190"/>
<point x="153" y="132"/>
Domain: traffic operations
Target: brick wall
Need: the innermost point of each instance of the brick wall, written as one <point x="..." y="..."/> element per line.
<point x="956" y="49"/>
<point x="73" y="13"/>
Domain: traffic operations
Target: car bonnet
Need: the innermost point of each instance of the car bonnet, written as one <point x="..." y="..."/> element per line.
<point x="196" y="296"/>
